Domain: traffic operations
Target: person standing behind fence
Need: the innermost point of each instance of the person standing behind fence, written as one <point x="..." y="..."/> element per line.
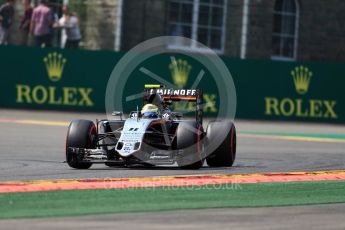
<point x="41" y="24"/>
<point x="25" y="22"/>
<point x="70" y="23"/>
<point x="6" y="19"/>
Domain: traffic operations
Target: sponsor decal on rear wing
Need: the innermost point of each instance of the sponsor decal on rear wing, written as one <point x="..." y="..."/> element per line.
<point x="177" y="94"/>
<point x="172" y="94"/>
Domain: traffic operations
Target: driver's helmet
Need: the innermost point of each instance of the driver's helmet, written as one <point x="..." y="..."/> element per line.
<point x="150" y="111"/>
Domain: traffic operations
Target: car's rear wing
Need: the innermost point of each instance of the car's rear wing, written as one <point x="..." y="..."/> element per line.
<point x="176" y="95"/>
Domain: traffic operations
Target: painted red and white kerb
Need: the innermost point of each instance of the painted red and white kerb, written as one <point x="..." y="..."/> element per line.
<point x="170" y="181"/>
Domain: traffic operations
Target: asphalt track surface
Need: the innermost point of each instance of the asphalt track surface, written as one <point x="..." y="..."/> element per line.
<point x="318" y="217"/>
<point x="32" y="151"/>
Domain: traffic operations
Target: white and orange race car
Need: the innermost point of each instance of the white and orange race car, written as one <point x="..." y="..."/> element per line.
<point x="157" y="136"/>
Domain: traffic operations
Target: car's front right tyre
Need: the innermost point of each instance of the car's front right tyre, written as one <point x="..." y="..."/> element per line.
<point x="80" y="134"/>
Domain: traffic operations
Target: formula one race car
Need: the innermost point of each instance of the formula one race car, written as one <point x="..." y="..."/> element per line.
<point x="153" y="136"/>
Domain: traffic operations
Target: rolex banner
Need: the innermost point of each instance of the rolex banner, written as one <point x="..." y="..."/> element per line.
<point x="49" y="79"/>
<point x="272" y="90"/>
<point x="54" y="79"/>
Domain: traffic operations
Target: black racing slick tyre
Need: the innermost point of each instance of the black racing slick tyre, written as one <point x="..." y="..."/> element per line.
<point x="221" y="144"/>
<point x="189" y="136"/>
<point x="81" y="134"/>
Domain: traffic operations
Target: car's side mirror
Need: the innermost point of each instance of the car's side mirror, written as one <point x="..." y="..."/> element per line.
<point x="169" y="102"/>
<point x="178" y="115"/>
<point x="135" y="115"/>
<point x="117" y="114"/>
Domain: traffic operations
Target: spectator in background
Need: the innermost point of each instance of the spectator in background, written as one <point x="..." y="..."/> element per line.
<point x="6" y="20"/>
<point x="41" y="24"/>
<point x="25" y="22"/>
<point x="70" y="23"/>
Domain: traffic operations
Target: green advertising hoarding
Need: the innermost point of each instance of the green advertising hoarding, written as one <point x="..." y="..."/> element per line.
<point x="54" y="79"/>
<point x="77" y="80"/>
<point x="289" y="90"/>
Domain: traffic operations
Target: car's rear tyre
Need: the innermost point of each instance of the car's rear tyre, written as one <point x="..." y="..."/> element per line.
<point x="221" y="144"/>
<point x="189" y="136"/>
<point x="81" y="134"/>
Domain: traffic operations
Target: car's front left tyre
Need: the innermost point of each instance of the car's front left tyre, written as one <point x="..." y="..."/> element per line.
<point x="221" y="144"/>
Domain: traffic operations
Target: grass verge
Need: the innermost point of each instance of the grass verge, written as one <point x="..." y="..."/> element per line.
<point x="85" y="202"/>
